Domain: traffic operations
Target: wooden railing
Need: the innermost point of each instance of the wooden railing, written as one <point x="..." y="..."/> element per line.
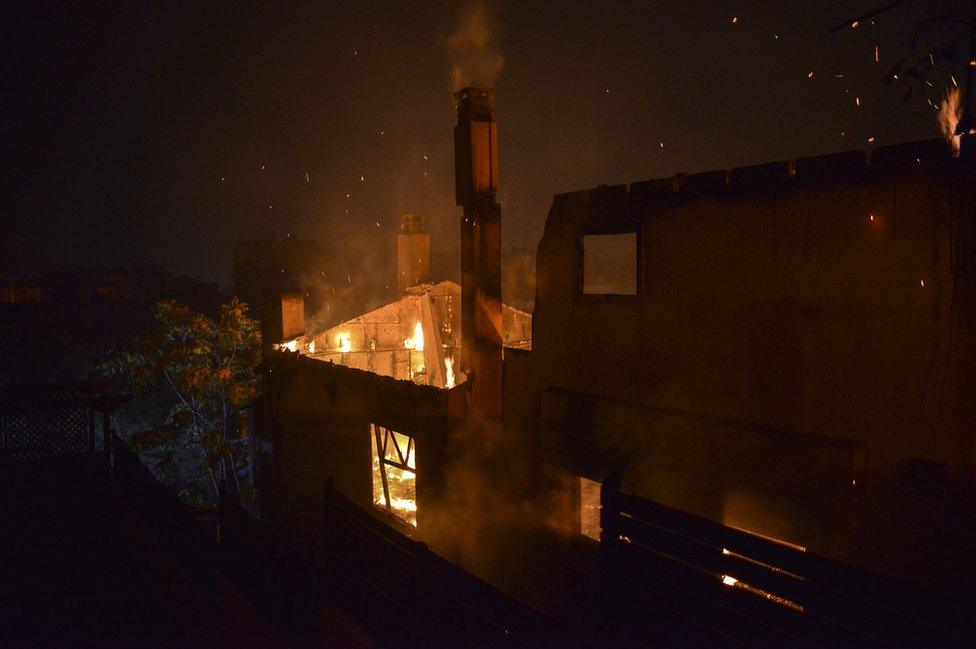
<point x="406" y="595"/>
<point x="666" y="570"/>
<point x="284" y="586"/>
<point x="393" y="587"/>
<point x="172" y="523"/>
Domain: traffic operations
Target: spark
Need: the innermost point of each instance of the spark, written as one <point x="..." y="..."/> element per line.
<point x="348" y="195"/>
<point x="362" y="179"/>
<point x="382" y="132"/>
<point x="931" y="59"/>
<point x="729" y="581"/>
<point x="262" y="167"/>
<point x="972" y="63"/>
<point x="735" y="19"/>
<point x="922" y="282"/>
<point x="954" y="81"/>
<point x="426" y="158"/>
<point x="871" y="140"/>
<point x="776" y="36"/>
<point x="842" y="133"/>
<point x="838" y="76"/>
<point x="810" y="74"/>
<point x="661" y="144"/>
<point x="307" y="178"/>
<point x="877" y="54"/>
<point x="857" y="100"/>
<point x="377" y="224"/>
<point x="871" y="217"/>
<point x="223" y="178"/>
<point x="607" y="90"/>
<point x="855" y="24"/>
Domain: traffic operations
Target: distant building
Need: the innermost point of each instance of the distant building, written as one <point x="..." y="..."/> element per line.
<point x="283" y="264"/>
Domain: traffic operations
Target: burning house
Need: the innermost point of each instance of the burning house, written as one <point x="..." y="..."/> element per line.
<point x="784" y="348"/>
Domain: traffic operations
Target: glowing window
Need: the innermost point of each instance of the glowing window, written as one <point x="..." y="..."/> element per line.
<point x="590" y="508"/>
<point x="394" y="473"/>
<point x="610" y="264"/>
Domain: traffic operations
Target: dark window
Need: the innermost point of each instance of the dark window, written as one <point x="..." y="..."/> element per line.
<point x="610" y="264"/>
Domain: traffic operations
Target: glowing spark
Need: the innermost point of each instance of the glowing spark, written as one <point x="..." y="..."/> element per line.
<point x="855" y="24"/>
<point x="661" y="144"/>
<point x="871" y="217"/>
<point x="810" y="74"/>
<point x="426" y="158"/>
<point x="377" y="224"/>
<point x="362" y="179"/>
<point x="729" y="581"/>
<point x="776" y="36"/>
<point x="306" y="177"/>
<point x="954" y="81"/>
<point x="972" y="63"/>
<point x="871" y="140"/>
<point x="857" y="101"/>
<point x="607" y="91"/>
<point x="735" y="19"/>
<point x="222" y="179"/>
<point x="877" y="54"/>
<point x="922" y="282"/>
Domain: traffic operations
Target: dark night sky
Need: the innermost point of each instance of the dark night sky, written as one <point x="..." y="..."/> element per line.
<point x="122" y="120"/>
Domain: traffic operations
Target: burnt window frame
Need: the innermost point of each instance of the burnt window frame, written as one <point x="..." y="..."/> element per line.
<point x="580" y="264"/>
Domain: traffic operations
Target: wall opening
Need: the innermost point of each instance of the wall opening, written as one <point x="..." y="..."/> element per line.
<point x="609" y="264"/>
<point x="590" y="508"/>
<point x="394" y="473"/>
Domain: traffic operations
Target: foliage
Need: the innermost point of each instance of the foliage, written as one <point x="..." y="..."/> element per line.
<point x="196" y="374"/>
<point x="938" y="43"/>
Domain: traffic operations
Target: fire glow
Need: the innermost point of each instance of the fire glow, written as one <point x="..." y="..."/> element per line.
<point x="950" y="112"/>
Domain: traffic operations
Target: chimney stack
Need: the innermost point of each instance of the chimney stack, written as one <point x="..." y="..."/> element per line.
<point x="475" y="182"/>
<point x="413" y="252"/>
<point x="282" y="319"/>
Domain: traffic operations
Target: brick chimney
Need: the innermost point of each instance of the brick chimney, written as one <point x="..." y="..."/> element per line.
<point x="413" y="252"/>
<point x="282" y="319"/>
<point x="475" y="182"/>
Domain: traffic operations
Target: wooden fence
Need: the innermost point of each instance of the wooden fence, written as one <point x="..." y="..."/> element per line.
<point x="670" y="573"/>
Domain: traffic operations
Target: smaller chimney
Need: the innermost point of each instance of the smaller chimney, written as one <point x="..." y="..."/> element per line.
<point x="283" y="318"/>
<point x="413" y="252"/>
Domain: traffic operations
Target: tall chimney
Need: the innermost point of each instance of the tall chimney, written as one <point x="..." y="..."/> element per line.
<point x="475" y="182"/>
<point x="413" y="252"/>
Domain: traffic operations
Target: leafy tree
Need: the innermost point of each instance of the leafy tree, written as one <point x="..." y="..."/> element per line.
<point x="191" y="375"/>
<point x="938" y="42"/>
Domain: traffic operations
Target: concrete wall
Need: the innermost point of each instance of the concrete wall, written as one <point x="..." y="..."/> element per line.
<point x="802" y="335"/>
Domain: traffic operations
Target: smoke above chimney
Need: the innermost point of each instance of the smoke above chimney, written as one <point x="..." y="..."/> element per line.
<point x="476" y="59"/>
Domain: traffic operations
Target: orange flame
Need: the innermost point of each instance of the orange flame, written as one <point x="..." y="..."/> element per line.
<point x="950" y="112"/>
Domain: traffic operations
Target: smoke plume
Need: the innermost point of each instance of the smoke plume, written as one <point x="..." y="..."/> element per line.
<point x="476" y="59"/>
